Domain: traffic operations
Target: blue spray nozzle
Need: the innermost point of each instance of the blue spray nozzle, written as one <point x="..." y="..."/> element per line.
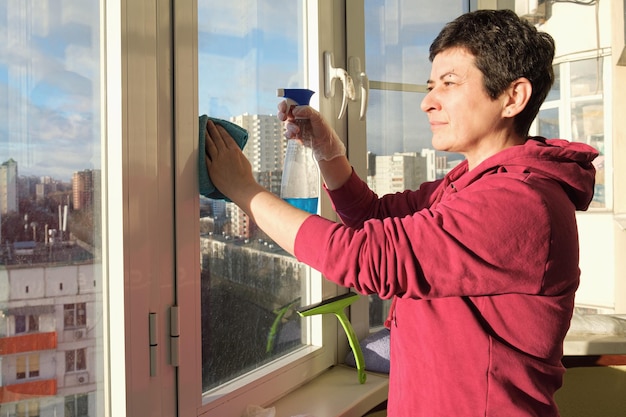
<point x="299" y="96"/>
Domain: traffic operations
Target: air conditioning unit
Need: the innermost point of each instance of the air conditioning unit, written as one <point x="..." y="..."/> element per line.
<point x="76" y="378"/>
<point x="79" y="334"/>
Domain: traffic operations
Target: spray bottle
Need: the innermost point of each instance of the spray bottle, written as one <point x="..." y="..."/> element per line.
<point x="300" y="180"/>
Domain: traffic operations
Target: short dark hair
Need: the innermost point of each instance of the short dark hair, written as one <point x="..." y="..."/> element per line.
<point x="506" y="48"/>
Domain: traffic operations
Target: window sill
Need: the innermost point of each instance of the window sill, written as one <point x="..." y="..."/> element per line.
<point x="595" y="340"/>
<point x="594" y="344"/>
<point x="335" y="393"/>
<point x="596" y="334"/>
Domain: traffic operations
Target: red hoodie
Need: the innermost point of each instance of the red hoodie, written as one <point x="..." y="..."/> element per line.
<point x="483" y="266"/>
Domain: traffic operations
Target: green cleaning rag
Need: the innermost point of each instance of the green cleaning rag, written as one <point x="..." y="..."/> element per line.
<point x="238" y="133"/>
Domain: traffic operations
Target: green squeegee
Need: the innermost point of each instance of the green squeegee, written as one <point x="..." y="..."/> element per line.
<point x="337" y="306"/>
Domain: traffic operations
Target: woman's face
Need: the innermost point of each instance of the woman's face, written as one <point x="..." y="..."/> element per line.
<point x="463" y="118"/>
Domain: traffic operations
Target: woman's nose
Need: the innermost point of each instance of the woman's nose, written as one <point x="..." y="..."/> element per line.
<point x="429" y="102"/>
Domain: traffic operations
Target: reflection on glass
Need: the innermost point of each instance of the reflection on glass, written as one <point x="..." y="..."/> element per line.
<point x="588" y="127"/>
<point x="250" y="286"/>
<point x="585" y="110"/>
<point x="588" y="115"/>
<point x="555" y="91"/>
<point x="548" y="123"/>
<point x="586" y="77"/>
<point x="398" y="36"/>
<point x="50" y="242"/>
<point x="397" y="42"/>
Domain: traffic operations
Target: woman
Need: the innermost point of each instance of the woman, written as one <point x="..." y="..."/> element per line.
<point x="482" y="265"/>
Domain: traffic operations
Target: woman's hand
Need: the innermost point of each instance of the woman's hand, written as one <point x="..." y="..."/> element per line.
<point x="231" y="173"/>
<point x="227" y="166"/>
<point x="308" y="125"/>
<point x="328" y="150"/>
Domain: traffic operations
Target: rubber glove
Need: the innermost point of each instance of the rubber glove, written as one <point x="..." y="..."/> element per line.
<point x="308" y="125"/>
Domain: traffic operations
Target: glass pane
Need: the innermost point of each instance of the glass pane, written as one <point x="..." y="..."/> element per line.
<point x="586" y="77"/>
<point x="246" y="51"/>
<point x="397" y="40"/>
<point x="555" y="91"/>
<point x="588" y="116"/>
<point x="50" y="153"/>
<point x="548" y="123"/>
<point x="20" y="324"/>
<point x="588" y="127"/>
<point x="69" y="318"/>
<point x="70" y="360"/>
<point x="398" y="35"/>
<point x="33" y="323"/>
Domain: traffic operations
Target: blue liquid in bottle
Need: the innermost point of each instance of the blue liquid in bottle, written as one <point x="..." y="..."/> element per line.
<point x="300" y="177"/>
<point x="306" y="204"/>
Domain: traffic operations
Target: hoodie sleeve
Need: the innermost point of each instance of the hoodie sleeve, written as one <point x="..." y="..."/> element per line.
<point x="493" y="237"/>
<point x="356" y="203"/>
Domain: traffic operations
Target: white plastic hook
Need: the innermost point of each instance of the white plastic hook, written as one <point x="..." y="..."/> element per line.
<point x="331" y="74"/>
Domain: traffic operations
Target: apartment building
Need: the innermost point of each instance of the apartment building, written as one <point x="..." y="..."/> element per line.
<point x="49" y="321"/>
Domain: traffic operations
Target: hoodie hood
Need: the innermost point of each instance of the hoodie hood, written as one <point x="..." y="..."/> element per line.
<point x="568" y="163"/>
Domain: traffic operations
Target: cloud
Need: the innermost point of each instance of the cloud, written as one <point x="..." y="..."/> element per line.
<point x="49" y="86"/>
<point x="245" y="54"/>
<point x="238" y="18"/>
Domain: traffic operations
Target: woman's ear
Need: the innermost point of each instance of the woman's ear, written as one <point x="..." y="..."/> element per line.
<point x="516" y="97"/>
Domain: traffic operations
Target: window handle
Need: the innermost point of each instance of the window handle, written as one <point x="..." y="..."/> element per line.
<point x="354" y="65"/>
<point x="332" y="73"/>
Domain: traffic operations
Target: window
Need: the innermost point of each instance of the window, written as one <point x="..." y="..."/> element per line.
<point x="250" y="286"/>
<point x="74" y="315"/>
<point x="27" y="409"/>
<point x="75" y="360"/>
<point x="26" y="323"/>
<point x="253" y="343"/>
<point x="394" y="50"/>
<point x="576" y="108"/>
<point x="50" y="198"/>
<point x="27" y="366"/>
<point x="77" y="405"/>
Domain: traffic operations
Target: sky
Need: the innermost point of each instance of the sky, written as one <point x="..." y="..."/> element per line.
<point x="49" y="86"/>
<point x="246" y="51"/>
<point x="50" y="61"/>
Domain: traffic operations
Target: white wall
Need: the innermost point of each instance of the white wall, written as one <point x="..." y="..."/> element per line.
<point x="597" y="260"/>
<point x="575" y="30"/>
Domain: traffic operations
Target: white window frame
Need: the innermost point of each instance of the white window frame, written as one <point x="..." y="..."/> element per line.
<point x="113" y="352"/>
